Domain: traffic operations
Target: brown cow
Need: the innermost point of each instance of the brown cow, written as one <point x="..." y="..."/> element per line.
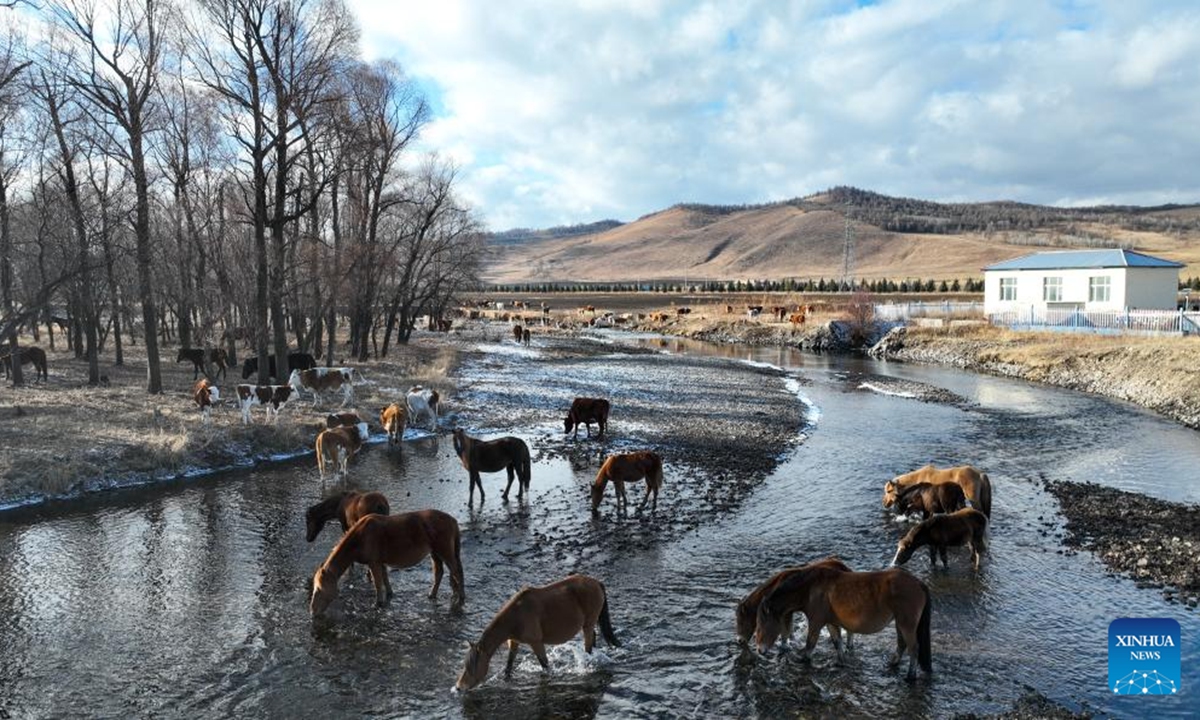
<point x="393" y="418"/>
<point x="340" y="444"/>
<point x="205" y="394"/>
<point x="780" y="312"/>
<point x="271" y="397"/>
<point x="585" y="411"/>
<point x="320" y="379"/>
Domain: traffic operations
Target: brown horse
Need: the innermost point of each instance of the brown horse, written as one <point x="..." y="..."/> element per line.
<point x="345" y="507"/>
<point x="629" y="467"/>
<point x="585" y="411"/>
<point x="975" y="484"/>
<point x="541" y="616"/>
<point x="930" y="499"/>
<point x="400" y="541"/>
<point x="747" y="609"/>
<point x="340" y="444"/>
<point x="480" y="456"/>
<point x="861" y="602"/>
<point x="393" y="418"/>
<point x="518" y="332"/>
<point x="31" y="354"/>
<point x="965" y="527"/>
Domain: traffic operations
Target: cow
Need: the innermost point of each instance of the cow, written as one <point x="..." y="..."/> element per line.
<point x="318" y="380"/>
<point x="780" y="312"/>
<point x="393" y="418"/>
<point x="683" y="311"/>
<point x="205" y="394"/>
<point x="296" y="361"/>
<point x="340" y="444"/>
<point x="422" y="402"/>
<point x="728" y="309"/>
<point x="271" y="397"/>
<point x="797" y="318"/>
<point x="753" y="311"/>
<point x="585" y="411"/>
<point x="29" y="355"/>
<point x="201" y="359"/>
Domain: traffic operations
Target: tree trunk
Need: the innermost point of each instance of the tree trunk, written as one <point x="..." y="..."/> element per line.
<point x="6" y="281"/>
<point x="144" y="261"/>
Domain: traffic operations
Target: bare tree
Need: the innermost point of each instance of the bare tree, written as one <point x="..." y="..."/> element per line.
<point x="117" y="76"/>
<point x="11" y="67"/>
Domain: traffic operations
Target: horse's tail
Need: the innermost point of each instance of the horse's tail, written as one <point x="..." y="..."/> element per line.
<point x="606" y="627"/>
<point x="525" y="467"/>
<point x="924" y="651"/>
<point x="985" y="495"/>
<point x="658" y="471"/>
<point x="321" y="453"/>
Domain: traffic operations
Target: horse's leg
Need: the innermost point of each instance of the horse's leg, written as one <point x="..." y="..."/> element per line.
<point x="942" y="552"/>
<point x="387" y="582"/>
<point x="894" y="660"/>
<point x="437" y="576"/>
<point x="645" y="498"/>
<point x="789" y="626"/>
<point x="975" y="554"/>
<point x="835" y="635"/>
<point x="379" y="578"/>
<point x="910" y="639"/>
<point x="933" y="555"/>
<point x="589" y="637"/>
<point x="511" y="474"/>
<point x="540" y="650"/>
<point x="814" y="634"/>
<point x="513" y="646"/>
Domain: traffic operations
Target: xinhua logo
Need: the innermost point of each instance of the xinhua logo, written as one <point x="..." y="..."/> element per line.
<point x="1143" y="656"/>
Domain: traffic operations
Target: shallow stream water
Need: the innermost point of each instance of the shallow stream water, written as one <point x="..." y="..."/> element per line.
<point x="189" y="599"/>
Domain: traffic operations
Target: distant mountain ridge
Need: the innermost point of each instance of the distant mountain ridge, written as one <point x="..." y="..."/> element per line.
<point x="891" y="237"/>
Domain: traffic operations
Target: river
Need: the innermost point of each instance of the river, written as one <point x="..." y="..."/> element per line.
<point x="188" y="599"/>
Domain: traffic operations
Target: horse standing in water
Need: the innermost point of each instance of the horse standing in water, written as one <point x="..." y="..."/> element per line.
<point x="930" y="499"/>
<point x="400" y="541"/>
<point x="626" y="468"/>
<point x="861" y="602"/>
<point x="747" y="609"/>
<point x="345" y="507"/>
<point x="506" y="453"/>
<point x="975" y="484"/>
<point x="541" y="616"/>
<point x="965" y="527"/>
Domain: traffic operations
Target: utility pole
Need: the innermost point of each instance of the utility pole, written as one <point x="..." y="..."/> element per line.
<point x="847" y="254"/>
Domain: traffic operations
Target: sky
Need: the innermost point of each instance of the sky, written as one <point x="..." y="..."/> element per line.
<point x="563" y="112"/>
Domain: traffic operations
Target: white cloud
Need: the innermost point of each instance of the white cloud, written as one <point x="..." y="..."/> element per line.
<point x="563" y="113"/>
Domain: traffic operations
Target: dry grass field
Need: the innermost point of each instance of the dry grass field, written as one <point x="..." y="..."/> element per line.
<point x="62" y="435"/>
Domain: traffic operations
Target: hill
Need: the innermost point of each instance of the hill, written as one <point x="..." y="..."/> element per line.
<point x="804" y="237"/>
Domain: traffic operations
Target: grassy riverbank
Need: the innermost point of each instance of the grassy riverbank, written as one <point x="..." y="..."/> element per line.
<point x="62" y="437"/>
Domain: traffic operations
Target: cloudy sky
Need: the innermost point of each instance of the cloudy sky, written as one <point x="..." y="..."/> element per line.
<point x="566" y="112"/>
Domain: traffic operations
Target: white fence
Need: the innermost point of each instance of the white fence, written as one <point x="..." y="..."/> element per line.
<point x="905" y="311"/>
<point x="1142" y="322"/>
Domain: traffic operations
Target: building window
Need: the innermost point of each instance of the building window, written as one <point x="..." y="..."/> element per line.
<point x="1098" y="289"/>
<point x="1052" y="289"/>
<point x="1008" y="289"/>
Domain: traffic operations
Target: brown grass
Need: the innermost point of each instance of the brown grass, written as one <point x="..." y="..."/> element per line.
<point x="63" y="436"/>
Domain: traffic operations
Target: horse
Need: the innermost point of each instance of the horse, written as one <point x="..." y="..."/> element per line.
<point x="860" y="602"/>
<point x="629" y="467"/>
<point x="399" y="541"/>
<point x="975" y="484"/>
<point x="201" y="358"/>
<point x="525" y="336"/>
<point x="296" y="361"/>
<point x="30" y="354"/>
<point x="929" y="499"/>
<point x="393" y="418"/>
<point x="539" y="616"/>
<point x="340" y="444"/>
<point x="345" y="507"/>
<point x="506" y="453"/>
<point x="964" y="527"/>
<point x="518" y="333"/>
<point x="585" y="411"/>
<point x="747" y="609"/>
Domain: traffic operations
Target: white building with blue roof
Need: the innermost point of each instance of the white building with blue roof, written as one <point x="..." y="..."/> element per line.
<point x="1081" y="280"/>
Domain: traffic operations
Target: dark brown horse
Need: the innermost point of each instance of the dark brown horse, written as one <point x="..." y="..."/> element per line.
<point x="585" y="411"/>
<point x="627" y="468"/>
<point x="345" y="507"/>
<point x="747" y="609"/>
<point x="929" y="499"/>
<point x="861" y="602"/>
<point x="400" y="541"/>
<point x="964" y="527"/>
<point x="541" y="616"/>
<point x="480" y="456"/>
<point x="29" y="355"/>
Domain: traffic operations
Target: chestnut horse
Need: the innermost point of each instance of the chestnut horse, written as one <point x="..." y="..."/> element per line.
<point x="340" y="444"/>
<point x="400" y="541"/>
<point x="393" y="418"/>
<point x="965" y="527"/>
<point x="480" y="456"/>
<point x="930" y="499"/>
<point x="345" y="507"/>
<point x="585" y="411"/>
<point x="629" y="467"/>
<point x="861" y="602"/>
<point x="975" y="484"/>
<point x="540" y="616"/>
<point x="747" y="609"/>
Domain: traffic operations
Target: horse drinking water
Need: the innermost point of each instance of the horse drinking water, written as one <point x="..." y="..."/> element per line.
<point x="345" y="507"/>
<point x="975" y="484"/>
<point x="747" y="609"/>
<point x="964" y="527"/>
<point x="626" y="468"/>
<point x="541" y="616"/>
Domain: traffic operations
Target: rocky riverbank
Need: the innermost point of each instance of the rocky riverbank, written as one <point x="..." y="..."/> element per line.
<point x="1155" y="542"/>
<point x="1159" y="373"/>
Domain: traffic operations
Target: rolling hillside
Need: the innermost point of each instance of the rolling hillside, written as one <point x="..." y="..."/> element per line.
<point x="892" y="238"/>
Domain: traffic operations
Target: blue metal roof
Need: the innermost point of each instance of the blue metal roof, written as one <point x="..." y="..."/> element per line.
<point x="1073" y="259"/>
